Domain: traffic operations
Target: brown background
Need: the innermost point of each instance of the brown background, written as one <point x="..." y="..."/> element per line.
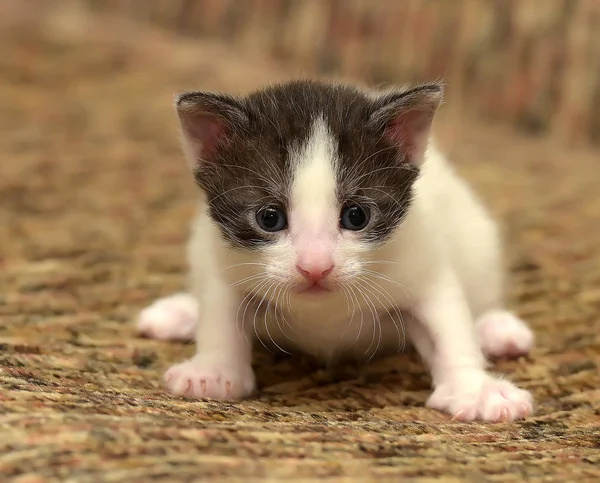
<point x="532" y="63"/>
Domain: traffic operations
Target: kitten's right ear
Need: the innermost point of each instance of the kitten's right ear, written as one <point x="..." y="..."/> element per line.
<point x="405" y="118"/>
<point x="207" y="120"/>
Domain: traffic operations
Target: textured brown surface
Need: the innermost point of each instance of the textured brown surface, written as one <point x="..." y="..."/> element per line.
<point x="94" y="205"/>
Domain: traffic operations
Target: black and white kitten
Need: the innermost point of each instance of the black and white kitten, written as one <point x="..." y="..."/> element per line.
<point x="330" y="223"/>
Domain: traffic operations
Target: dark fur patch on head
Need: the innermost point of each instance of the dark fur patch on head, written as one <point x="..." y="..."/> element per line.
<point x="251" y="165"/>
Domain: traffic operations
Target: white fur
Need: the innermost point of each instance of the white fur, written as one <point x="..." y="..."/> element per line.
<point x="443" y="265"/>
<point x="313" y="193"/>
<point x="313" y="218"/>
<point x="502" y="334"/>
<point x="170" y="318"/>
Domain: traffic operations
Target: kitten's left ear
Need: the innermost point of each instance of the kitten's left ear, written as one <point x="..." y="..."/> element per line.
<point x="208" y="121"/>
<point x="405" y="118"/>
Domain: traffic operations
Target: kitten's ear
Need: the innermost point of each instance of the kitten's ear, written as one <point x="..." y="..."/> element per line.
<point x="405" y="117"/>
<point x="207" y="120"/>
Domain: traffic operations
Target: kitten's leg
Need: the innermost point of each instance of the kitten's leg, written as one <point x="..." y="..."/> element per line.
<point x="447" y="342"/>
<point x="221" y="368"/>
<point x="502" y="334"/>
<point x="170" y="318"/>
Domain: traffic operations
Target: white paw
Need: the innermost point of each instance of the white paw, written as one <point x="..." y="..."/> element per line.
<point x="170" y="318"/>
<point x="501" y="334"/>
<point x="211" y="379"/>
<point x="490" y="399"/>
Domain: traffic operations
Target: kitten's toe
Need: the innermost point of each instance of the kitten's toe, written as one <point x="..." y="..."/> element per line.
<point x="502" y="334"/>
<point x="490" y="400"/>
<point x="170" y="318"/>
<point x="210" y="379"/>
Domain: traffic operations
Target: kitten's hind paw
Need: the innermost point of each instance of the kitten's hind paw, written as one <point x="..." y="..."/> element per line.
<point x="198" y="378"/>
<point x="170" y="318"/>
<point x="502" y="334"/>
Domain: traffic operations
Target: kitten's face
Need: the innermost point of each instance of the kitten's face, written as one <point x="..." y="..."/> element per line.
<point x="307" y="178"/>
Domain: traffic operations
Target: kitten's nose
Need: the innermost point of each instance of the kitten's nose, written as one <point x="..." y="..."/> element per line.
<point x="315" y="272"/>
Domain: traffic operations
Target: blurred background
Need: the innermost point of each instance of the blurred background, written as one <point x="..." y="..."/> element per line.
<point x="86" y="90"/>
<point x="96" y="198"/>
<point x="534" y="64"/>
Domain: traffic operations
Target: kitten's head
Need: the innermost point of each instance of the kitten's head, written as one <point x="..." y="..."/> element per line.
<point x="308" y="178"/>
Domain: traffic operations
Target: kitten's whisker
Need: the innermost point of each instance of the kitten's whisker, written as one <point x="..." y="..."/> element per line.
<point x="373" y="278"/>
<point x="260" y="264"/>
<point x="277" y="308"/>
<point x="290" y="313"/>
<point x="381" y="291"/>
<point x="295" y="322"/>
<point x="362" y="315"/>
<point x="348" y="299"/>
<point x="286" y="293"/>
<point x="352" y="173"/>
<point x="380" y="276"/>
<point x="247" y="279"/>
<point x="279" y="291"/>
<point x="240" y="322"/>
<point x="253" y="293"/>
<point x="366" y="188"/>
<point x="370" y="279"/>
<point x="344" y="291"/>
<point x="384" y="277"/>
<point x="376" y="321"/>
<point x="369" y="262"/>
<point x="277" y="287"/>
<point x="272" y="283"/>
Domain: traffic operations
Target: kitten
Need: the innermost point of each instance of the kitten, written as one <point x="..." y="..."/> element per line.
<point x="330" y="223"/>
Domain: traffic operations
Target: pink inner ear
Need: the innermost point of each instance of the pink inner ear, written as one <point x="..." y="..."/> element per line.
<point x="409" y="130"/>
<point x="204" y="131"/>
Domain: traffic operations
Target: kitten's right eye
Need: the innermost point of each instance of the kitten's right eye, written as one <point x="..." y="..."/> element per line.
<point x="355" y="217"/>
<point x="271" y="219"/>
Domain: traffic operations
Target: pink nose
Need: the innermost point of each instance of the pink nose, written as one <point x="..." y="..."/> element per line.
<point x="314" y="273"/>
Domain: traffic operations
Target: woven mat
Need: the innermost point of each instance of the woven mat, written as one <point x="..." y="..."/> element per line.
<point x="95" y="201"/>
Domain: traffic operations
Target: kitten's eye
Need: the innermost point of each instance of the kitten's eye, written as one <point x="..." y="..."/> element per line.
<point x="271" y="219"/>
<point x="355" y="217"/>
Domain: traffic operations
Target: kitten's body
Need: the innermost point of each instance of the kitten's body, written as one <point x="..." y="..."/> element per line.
<point x="426" y="267"/>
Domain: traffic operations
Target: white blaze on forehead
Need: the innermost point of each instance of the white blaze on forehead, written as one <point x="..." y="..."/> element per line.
<point x="313" y="196"/>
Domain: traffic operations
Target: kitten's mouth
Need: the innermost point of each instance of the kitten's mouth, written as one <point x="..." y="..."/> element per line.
<point x="315" y="288"/>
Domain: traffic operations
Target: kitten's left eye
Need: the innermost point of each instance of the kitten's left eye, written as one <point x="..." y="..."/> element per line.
<point x="271" y="219"/>
<point x="355" y="217"/>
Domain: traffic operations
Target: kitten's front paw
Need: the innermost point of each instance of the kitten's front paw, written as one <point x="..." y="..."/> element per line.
<point x="211" y="379"/>
<point x="170" y="318"/>
<point x="489" y="399"/>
